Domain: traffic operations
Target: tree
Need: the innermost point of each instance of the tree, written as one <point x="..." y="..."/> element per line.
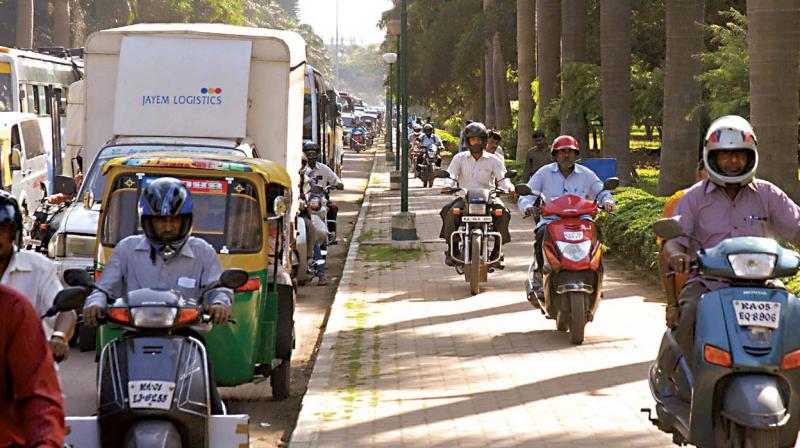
<point x="24" y="24"/>
<point x="774" y="67"/>
<point x="489" y="73"/>
<point x="615" y="48"/>
<point x="574" y="50"/>
<point x="726" y="74"/>
<point x="526" y="72"/>
<point x="61" y="23"/>
<point x="682" y="91"/>
<point x="502" y="105"/>
<point x="548" y="42"/>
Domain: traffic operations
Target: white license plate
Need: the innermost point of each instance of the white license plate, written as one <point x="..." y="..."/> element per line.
<point x="477" y="219"/>
<point x="150" y="394"/>
<point x="750" y="313"/>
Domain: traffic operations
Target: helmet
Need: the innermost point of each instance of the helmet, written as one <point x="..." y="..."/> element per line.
<point x="564" y="142"/>
<point x="162" y="197"/>
<point x="475" y="129"/>
<point x="10" y="214"/>
<point x="427" y="129"/>
<point x="311" y="150"/>
<point x="417" y="128"/>
<point x="730" y="133"/>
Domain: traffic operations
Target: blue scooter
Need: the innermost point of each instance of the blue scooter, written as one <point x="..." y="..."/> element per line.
<point x="743" y="391"/>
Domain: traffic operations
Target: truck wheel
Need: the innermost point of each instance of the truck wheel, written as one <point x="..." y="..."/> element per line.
<point x="577" y="321"/>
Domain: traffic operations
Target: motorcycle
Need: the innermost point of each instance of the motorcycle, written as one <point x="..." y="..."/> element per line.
<point x="43" y="224"/>
<point x="475" y="232"/>
<point x="358" y="141"/>
<point x="313" y="226"/>
<point x="572" y="275"/>
<point x="153" y="384"/>
<point x="426" y="164"/>
<point x="742" y="391"/>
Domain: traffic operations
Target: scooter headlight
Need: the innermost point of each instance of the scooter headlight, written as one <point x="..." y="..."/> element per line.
<point x="314" y="204"/>
<point x="753" y="266"/>
<point x="477" y="209"/>
<point x="153" y="316"/>
<point x="574" y="251"/>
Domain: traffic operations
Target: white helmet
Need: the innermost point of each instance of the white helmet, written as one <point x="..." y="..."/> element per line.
<point x="730" y="133"/>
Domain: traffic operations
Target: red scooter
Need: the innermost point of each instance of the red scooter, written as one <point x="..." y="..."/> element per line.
<point x="572" y="271"/>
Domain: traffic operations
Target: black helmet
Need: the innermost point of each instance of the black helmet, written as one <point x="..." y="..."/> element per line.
<point x="311" y="150"/>
<point x="163" y="197"/>
<point x="428" y="129"/>
<point x="475" y="129"/>
<point x="10" y="214"/>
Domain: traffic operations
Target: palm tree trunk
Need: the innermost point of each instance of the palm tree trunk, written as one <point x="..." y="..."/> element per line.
<point x="502" y="105"/>
<point x="78" y="19"/>
<point x="615" y="52"/>
<point x="488" y="69"/>
<point x="548" y="44"/>
<point x="774" y="47"/>
<point x="481" y="100"/>
<point x="526" y="63"/>
<point x="681" y="138"/>
<point x="24" y="38"/>
<point x="61" y="23"/>
<point x="574" y="16"/>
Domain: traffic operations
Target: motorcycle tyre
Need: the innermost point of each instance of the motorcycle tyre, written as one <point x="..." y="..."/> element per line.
<point x="562" y="321"/>
<point x="577" y="321"/>
<point x="734" y="435"/>
<point x="475" y="266"/>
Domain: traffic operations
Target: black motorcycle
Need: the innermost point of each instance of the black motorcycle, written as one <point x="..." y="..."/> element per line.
<point x="48" y="215"/>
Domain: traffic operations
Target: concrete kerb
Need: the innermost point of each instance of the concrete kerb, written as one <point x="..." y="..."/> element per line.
<point x="306" y="432"/>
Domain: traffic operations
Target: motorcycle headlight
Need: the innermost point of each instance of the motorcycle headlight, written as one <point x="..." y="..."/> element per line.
<point x="574" y="251"/>
<point x="314" y="204"/>
<point x="753" y="266"/>
<point x="153" y="316"/>
<point x="477" y="209"/>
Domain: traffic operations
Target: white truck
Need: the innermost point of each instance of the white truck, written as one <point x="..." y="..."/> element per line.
<point x="179" y="87"/>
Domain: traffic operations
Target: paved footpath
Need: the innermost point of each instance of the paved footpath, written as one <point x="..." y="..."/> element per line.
<point x="410" y="358"/>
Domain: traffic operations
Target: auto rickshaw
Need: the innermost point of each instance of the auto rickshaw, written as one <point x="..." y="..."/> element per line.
<point x="239" y="208"/>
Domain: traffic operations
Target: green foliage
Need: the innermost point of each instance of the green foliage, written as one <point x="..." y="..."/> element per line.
<point x="647" y="95"/>
<point x="629" y="231"/>
<point x="509" y="142"/>
<point x="361" y="73"/>
<point x="726" y="78"/>
<point x="647" y="180"/>
<point x="450" y="141"/>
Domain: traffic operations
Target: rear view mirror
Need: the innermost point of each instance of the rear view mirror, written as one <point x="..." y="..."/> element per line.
<point x="668" y="228"/>
<point x="67" y="299"/>
<point x="611" y="183"/>
<point x="77" y="277"/>
<point x="442" y="174"/>
<point x="64" y="185"/>
<point x="16" y="159"/>
<point x="233" y="278"/>
<point x="510" y="174"/>
<point x="523" y="189"/>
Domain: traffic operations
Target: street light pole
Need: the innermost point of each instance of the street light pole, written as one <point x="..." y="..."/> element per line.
<point x="389" y="58"/>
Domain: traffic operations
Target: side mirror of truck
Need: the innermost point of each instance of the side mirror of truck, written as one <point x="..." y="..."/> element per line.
<point x="64" y="185"/>
<point x="16" y="159"/>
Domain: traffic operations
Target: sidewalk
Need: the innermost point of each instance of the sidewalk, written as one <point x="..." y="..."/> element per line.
<point x="410" y="358"/>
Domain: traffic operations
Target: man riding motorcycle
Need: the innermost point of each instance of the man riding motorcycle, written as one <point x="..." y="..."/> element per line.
<point x="556" y="179"/>
<point x="164" y="257"/>
<point x="730" y="203"/>
<point x="427" y="139"/>
<point x="475" y="169"/>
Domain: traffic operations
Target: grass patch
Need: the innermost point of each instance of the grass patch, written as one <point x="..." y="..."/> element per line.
<point x="370" y="235"/>
<point x="648" y="180"/>
<point x="388" y="254"/>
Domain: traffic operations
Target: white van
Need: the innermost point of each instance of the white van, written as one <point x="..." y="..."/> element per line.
<point x="24" y="151"/>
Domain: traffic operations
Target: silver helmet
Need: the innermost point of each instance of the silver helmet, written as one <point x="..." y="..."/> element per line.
<point x="730" y="133"/>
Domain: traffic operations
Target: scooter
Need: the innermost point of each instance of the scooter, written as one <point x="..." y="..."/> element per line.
<point x="475" y="232"/>
<point x="153" y="384"/>
<point x="358" y="141"/>
<point x="313" y="226"/>
<point x="572" y="271"/>
<point x="742" y="391"/>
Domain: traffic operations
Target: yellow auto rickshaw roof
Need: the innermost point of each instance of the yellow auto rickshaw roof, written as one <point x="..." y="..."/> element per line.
<point x="271" y="171"/>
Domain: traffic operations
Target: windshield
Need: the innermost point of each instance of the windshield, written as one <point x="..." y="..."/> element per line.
<point x="347" y="121"/>
<point x="95" y="180"/>
<point x="5" y="87"/>
<point x="226" y="212"/>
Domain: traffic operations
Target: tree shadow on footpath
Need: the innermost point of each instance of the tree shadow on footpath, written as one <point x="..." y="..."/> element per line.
<point x="487" y="402"/>
<point x="622" y="439"/>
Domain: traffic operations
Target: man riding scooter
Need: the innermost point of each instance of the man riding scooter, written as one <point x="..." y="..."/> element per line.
<point x="553" y="180"/>
<point x="165" y="257"/>
<point x="730" y="203"/>
<point x="475" y="169"/>
<point x="427" y="139"/>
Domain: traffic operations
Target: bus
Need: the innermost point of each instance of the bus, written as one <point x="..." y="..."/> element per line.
<point x="38" y="83"/>
<point x="321" y="122"/>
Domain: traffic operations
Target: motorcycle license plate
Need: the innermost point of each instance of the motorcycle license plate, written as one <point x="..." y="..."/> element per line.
<point x="150" y="394"/>
<point x="751" y="313"/>
<point x="476" y="219"/>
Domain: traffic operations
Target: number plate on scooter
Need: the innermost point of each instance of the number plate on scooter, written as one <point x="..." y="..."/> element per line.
<point x="476" y="219"/>
<point x="757" y="314"/>
<point x="150" y="394"/>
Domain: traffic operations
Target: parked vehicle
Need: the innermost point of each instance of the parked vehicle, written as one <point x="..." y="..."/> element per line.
<point x="24" y="152"/>
<point x="572" y="274"/>
<point x="153" y="382"/>
<point x="475" y="233"/>
<point x="743" y="389"/>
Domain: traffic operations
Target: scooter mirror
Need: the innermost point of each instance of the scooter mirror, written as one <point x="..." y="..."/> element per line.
<point x="523" y="189"/>
<point x="234" y="278"/>
<point x="67" y="299"/>
<point x="77" y="277"/>
<point x="611" y="183"/>
<point x="442" y="174"/>
<point x="510" y="174"/>
<point x="668" y="228"/>
<point x="64" y="185"/>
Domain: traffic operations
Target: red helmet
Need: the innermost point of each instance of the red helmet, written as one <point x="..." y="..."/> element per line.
<point x="564" y="142"/>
